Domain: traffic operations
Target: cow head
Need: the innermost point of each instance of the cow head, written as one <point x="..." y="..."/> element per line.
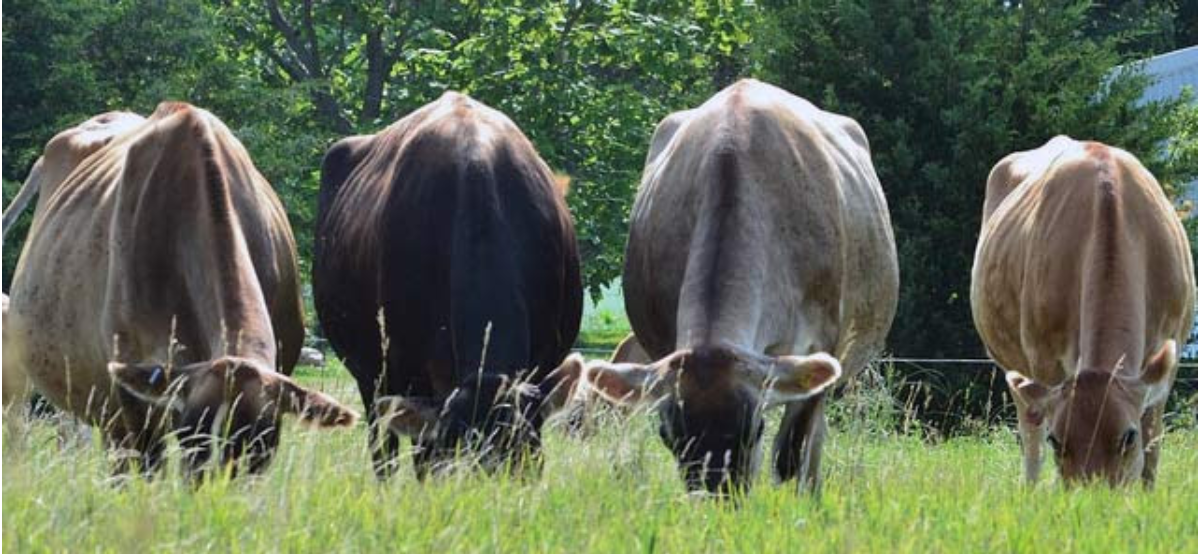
<point x="229" y="405"/>
<point x="1094" y="419"/>
<point x="710" y="404"/>
<point x="492" y="417"/>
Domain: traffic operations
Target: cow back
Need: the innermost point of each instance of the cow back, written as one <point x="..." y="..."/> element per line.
<point x="1081" y="262"/>
<point x="760" y="224"/>
<point x="165" y="244"/>
<point x="444" y="248"/>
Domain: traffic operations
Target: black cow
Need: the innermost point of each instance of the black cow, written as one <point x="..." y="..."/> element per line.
<point x="446" y="275"/>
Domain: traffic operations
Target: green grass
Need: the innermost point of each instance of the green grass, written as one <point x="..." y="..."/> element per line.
<point x="601" y="342"/>
<point x="614" y="492"/>
<point x="604" y="322"/>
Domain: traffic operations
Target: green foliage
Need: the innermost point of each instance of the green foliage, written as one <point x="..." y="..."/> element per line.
<point x="944" y="90"/>
<point x="586" y="80"/>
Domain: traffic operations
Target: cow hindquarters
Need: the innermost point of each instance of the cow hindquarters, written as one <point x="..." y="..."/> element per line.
<point x="799" y="442"/>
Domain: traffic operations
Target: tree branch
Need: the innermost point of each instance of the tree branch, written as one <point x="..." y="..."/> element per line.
<point x="560" y="51"/>
<point x="307" y="64"/>
<point x="378" y="67"/>
<point x="311" y="32"/>
<point x="292" y="38"/>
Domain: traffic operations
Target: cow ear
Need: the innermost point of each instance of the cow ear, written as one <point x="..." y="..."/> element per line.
<point x="313" y="407"/>
<point x="630" y="384"/>
<point x="153" y="382"/>
<point x="1160" y="366"/>
<point x="564" y="381"/>
<point x="406" y="416"/>
<point x="562" y="182"/>
<point x="1031" y="396"/>
<point x="793" y="378"/>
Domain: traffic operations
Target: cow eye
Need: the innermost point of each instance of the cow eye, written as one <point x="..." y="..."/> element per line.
<point x="1054" y="444"/>
<point x="1129" y="440"/>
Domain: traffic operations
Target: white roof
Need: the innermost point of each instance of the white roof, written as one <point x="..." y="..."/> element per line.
<point x="1172" y="72"/>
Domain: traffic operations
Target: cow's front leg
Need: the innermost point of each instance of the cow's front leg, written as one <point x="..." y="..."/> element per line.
<point x="1033" y="437"/>
<point x="136" y="436"/>
<point x="799" y="443"/>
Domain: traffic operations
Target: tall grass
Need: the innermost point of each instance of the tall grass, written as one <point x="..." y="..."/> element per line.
<point x="616" y="491"/>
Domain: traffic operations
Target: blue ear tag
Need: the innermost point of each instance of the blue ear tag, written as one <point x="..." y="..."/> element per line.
<point x="156" y="375"/>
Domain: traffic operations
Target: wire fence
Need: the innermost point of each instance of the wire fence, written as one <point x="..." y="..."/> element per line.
<point x="953" y="364"/>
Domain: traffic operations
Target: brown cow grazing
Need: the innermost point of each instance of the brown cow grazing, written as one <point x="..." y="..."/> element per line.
<point x="446" y="275"/>
<point x="1082" y="287"/>
<point x="760" y="270"/>
<point x="157" y="292"/>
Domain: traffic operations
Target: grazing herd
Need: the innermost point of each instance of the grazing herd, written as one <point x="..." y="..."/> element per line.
<point x="158" y="294"/>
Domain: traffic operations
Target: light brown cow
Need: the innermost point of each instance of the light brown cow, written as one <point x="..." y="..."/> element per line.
<point x="157" y="292"/>
<point x="1081" y="288"/>
<point x="62" y="154"/>
<point x="760" y="269"/>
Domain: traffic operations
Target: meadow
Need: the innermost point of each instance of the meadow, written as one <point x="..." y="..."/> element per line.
<point x="615" y="491"/>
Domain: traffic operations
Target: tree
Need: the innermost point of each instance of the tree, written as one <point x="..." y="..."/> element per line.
<point x="65" y="62"/>
<point x="586" y="81"/>
<point x="946" y="89"/>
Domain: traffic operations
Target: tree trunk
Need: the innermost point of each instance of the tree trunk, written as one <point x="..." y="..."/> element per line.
<point x="377" y="72"/>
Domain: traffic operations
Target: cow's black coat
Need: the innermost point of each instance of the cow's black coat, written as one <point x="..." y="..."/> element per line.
<point x="446" y="222"/>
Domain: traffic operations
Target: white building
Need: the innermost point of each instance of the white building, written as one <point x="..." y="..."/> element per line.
<point x="1173" y="72"/>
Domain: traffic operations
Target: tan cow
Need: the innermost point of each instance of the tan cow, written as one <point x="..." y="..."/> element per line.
<point x="1081" y="288"/>
<point x="62" y="154"/>
<point x="157" y="292"/>
<point x="760" y="270"/>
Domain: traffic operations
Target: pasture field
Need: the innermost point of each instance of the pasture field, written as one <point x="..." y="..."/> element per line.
<point x="616" y="491"/>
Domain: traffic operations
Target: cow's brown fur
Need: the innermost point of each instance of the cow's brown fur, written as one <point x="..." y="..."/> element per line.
<point x="1082" y="281"/>
<point x="161" y="253"/>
